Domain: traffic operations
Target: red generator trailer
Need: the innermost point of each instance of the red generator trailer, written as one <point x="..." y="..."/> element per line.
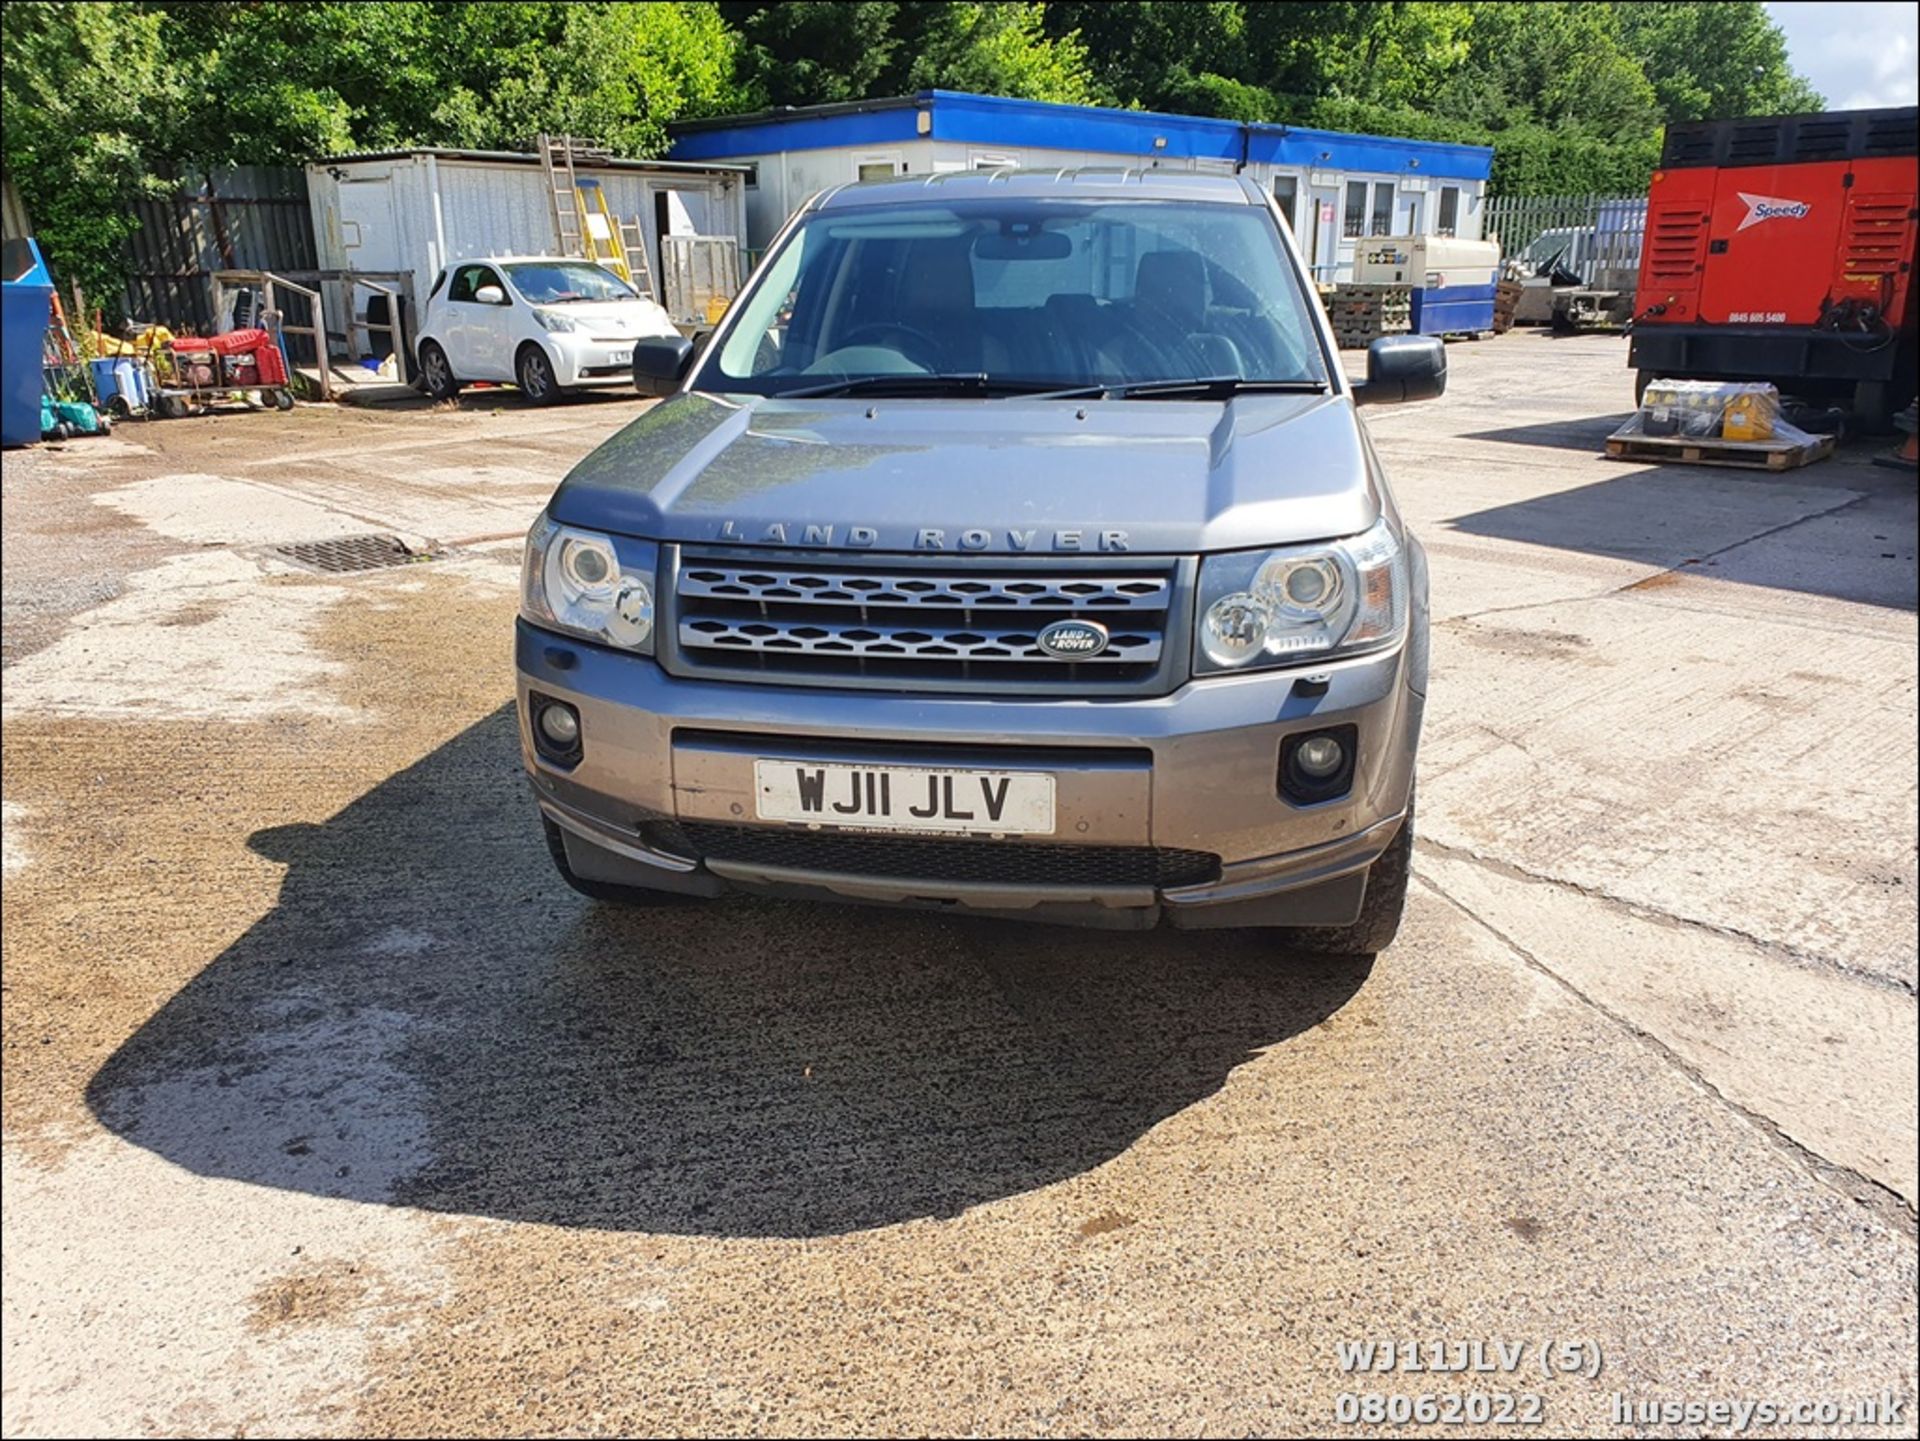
<point x="1782" y="249"/>
<point x="208" y="368"/>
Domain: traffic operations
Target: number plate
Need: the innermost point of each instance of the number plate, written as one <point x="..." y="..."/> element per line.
<point x="904" y="798"/>
<point x="619" y="357"/>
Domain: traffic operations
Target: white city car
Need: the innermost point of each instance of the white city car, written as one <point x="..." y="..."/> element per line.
<point x="543" y="323"/>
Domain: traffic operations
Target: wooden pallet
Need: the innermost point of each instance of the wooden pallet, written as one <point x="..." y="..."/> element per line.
<point x="1746" y="454"/>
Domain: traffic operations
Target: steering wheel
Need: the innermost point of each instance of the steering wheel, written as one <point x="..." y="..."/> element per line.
<point x="931" y="357"/>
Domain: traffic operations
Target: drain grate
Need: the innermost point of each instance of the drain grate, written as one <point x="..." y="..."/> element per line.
<point x="347" y="553"/>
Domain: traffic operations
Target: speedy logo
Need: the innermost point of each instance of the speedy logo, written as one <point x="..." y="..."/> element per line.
<point x="1771" y="207"/>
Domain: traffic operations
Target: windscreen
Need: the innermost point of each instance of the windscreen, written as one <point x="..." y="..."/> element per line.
<point x="1035" y="292"/>
<point x="548" y="282"/>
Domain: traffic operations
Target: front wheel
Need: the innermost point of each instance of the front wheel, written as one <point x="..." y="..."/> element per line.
<point x="1380" y="911"/>
<point x="436" y="372"/>
<point x="534" y="371"/>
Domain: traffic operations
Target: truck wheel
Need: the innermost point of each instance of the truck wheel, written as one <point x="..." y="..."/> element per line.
<point x="604" y="890"/>
<point x="1379" y="919"/>
<point x="1873" y="406"/>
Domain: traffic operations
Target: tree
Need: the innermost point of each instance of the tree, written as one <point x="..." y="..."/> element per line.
<point x="992" y="47"/>
<point x="78" y="87"/>
<point x="813" y="52"/>
<point x="1717" y="59"/>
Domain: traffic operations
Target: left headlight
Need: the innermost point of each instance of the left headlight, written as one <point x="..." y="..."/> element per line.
<point x="1277" y="607"/>
<point x="553" y="320"/>
<point x="589" y="584"/>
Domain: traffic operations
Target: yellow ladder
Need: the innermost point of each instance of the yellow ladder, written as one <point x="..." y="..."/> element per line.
<point x="599" y="233"/>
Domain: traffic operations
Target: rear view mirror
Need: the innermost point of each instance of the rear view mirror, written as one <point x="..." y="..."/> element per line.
<point x="661" y="363"/>
<point x="1035" y="245"/>
<point x="1402" y="368"/>
<point x="490" y="295"/>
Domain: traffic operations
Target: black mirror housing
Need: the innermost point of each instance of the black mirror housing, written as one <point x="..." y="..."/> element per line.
<point x="1401" y="368"/>
<point x="661" y="363"/>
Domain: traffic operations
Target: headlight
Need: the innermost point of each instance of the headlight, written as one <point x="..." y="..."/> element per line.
<point x="589" y="584"/>
<point x="1267" y="608"/>
<point x="554" y="321"/>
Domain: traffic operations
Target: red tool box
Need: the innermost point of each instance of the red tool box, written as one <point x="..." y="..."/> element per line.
<point x="1782" y="249"/>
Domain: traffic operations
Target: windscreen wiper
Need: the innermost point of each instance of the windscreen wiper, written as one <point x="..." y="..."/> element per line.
<point x="1216" y="387"/>
<point x="906" y="383"/>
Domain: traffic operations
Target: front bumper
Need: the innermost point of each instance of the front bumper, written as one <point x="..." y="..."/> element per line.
<point x="584" y="360"/>
<point x="1196" y="770"/>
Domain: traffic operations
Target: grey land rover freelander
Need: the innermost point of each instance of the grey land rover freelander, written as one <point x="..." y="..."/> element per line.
<point x="1012" y="545"/>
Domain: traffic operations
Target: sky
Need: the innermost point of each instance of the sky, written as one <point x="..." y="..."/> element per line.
<point x="1858" y="55"/>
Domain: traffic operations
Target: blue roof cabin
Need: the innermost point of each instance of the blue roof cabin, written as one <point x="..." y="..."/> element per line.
<point x="1335" y="188"/>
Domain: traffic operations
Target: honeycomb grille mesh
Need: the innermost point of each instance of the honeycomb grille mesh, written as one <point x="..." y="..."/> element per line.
<point x="919" y="859"/>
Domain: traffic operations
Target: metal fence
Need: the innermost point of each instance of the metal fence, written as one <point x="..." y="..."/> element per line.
<point x="1596" y="237"/>
<point x="246" y="217"/>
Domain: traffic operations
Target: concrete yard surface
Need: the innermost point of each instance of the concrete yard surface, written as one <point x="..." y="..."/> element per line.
<point x="329" y="1110"/>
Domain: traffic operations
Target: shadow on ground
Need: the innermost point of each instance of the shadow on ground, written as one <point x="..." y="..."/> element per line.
<point x="1842" y="528"/>
<point x="1588" y="433"/>
<point x="427" y="1017"/>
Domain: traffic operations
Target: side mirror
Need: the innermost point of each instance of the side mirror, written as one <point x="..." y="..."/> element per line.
<point x="490" y="295"/>
<point x="1402" y="368"/>
<point x="661" y="363"/>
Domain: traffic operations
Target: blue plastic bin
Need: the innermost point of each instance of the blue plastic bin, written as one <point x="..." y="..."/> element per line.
<point x="117" y="375"/>
<point x="24" y="312"/>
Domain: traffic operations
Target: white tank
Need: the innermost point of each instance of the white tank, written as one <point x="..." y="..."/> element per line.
<point x="1426" y="262"/>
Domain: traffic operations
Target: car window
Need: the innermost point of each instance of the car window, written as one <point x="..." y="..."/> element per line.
<point x="468" y="279"/>
<point x="439" y="284"/>
<point x="1071" y="292"/>
<point x="559" y="282"/>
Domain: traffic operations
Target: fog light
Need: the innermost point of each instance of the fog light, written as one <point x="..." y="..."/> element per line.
<point x="561" y="726"/>
<point x="1318" y="756"/>
<point x="556" y="729"/>
<point x="1318" y="765"/>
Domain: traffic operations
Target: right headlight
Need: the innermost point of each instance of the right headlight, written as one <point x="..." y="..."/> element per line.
<point x="589" y="584"/>
<point x="1277" y="607"/>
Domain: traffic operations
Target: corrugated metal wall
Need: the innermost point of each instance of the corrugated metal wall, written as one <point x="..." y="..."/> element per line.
<point x="13" y="213"/>
<point x="249" y="217"/>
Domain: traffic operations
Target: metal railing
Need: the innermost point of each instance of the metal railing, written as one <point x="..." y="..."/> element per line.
<point x="395" y="286"/>
<point x="268" y="287"/>
<point x="699" y="275"/>
<point x="1596" y="237"/>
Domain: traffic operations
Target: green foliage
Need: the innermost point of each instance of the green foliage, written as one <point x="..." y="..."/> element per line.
<point x="813" y="52"/>
<point x="1706" y="60"/>
<point x="76" y="87"/>
<point x="992" y="47"/>
<point x="105" y="102"/>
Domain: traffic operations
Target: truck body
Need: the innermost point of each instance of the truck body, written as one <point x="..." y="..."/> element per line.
<point x="1782" y="249"/>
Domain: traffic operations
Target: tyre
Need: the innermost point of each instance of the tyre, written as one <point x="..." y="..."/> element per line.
<point x="1641" y="380"/>
<point x="534" y="373"/>
<point x="1379" y="919"/>
<point x="120" y="407"/>
<point x="283" y="400"/>
<point x="605" y="890"/>
<point x="1873" y="406"/>
<point x="171" y="407"/>
<point x="436" y="372"/>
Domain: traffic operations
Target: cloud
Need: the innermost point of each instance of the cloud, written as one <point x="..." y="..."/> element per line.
<point x="1859" y="55"/>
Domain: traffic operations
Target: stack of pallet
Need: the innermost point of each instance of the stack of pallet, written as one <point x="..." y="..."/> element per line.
<point x="1361" y="314"/>
<point x="1506" y="295"/>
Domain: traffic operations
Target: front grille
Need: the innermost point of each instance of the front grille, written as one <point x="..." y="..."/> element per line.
<point x="916" y="859"/>
<point x="923" y="623"/>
